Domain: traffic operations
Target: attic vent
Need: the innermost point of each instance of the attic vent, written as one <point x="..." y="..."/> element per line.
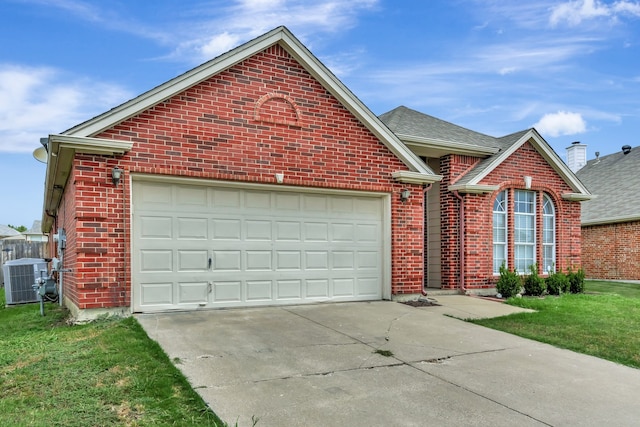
<point x="626" y="149"/>
<point x="19" y="277"/>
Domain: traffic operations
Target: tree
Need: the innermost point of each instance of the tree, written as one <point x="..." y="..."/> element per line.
<point x="20" y="228"/>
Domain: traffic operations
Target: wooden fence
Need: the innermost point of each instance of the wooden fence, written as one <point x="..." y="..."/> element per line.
<point x="16" y="249"/>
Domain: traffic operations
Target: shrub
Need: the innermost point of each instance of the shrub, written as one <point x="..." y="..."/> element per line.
<point x="534" y="284"/>
<point x="576" y="281"/>
<point x="557" y="283"/>
<point x="509" y="284"/>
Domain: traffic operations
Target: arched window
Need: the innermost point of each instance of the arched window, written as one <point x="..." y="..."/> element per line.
<point x="548" y="235"/>
<point x="517" y="244"/>
<point x="499" y="231"/>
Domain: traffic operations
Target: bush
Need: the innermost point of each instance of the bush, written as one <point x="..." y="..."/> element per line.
<point x="576" y="281"/>
<point x="534" y="284"/>
<point x="557" y="283"/>
<point x="509" y="284"/>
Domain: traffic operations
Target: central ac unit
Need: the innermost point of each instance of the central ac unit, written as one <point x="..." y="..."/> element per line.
<point x="19" y="277"/>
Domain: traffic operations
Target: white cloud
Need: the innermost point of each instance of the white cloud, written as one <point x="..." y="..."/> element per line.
<point x="38" y="101"/>
<point x="561" y="123"/>
<point x="575" y="12"/>
<point x="211" y="35"/>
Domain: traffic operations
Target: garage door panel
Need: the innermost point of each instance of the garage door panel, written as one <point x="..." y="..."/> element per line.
<point x="258" y="230"/>
<point x="156" y="293"/>
<point x="156" y="227"/>
<point x="344" y="287"/>
<point x="318" y="288"/>
<point x="316" y="231"/>
<point x="193" y="260"/>
<point x="288" y="260"/>
<point x="289" y="289"/>
<point x="265" y="247"/>
<point x="230" y="260"/>
<point x="288" y="231"/>
<point x="317" y="260"/>
<point x="259" y="260"/>
<point x="193" y="292"/>
<point x="226" y="229"/>
<point x="259" y="290"/>
<point x="227" y="291"/>
<point x="156" y="260"/>
<point x="192" y="228"/>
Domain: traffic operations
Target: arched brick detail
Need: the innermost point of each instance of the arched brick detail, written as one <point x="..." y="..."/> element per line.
<point x="277" y="108"/>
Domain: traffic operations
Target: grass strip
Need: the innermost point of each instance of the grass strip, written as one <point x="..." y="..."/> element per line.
<point x="106" y="373"/>
<point x="603" y="324"/>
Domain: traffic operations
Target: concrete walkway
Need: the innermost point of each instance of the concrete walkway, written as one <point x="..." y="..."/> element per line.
<point x="317" y="365"/>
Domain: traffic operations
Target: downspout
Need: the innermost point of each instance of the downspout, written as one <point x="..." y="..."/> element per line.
<point x="463" y="287"/>
<point x="425" y="241"/>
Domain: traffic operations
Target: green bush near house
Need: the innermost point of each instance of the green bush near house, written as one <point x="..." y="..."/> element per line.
<point x="576" y="281"/>
<point x="510" y="283"/>
<point x="557" y="283"/>
<point x="534" y="284"/>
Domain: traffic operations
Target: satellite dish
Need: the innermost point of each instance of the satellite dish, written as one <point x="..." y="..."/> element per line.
<point x="40" y="154"/>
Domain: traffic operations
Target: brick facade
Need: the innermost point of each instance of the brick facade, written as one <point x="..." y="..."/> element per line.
<point x="612" y="251"/>
<point x="263" y="116"/>
<point x="479" y="216"/>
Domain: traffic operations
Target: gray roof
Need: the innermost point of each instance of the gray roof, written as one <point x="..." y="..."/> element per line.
<point x="6" y="231"/>
<point x="36" y="228"/>
<point x="504" y="143"/>
<point x="615" y="181"/>
<point x="405" y="121"/>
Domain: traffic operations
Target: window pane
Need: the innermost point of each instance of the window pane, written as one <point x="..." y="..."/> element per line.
<point x="499" y="254"/>
<point x="499" y="231"/>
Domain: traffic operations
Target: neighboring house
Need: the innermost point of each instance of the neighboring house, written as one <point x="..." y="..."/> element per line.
<point x="258" y="178"/>
<point x="34" y="234"/>
<point x="6" y="231"/>
<point x="611" y="221"/>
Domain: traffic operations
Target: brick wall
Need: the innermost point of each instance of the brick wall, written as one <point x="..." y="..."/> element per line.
<point x="479" y="216"/>
<point x="262" y="116"/>
<point x="612" y="251"/>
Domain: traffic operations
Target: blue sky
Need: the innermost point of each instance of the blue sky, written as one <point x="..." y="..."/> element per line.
<point x="569" y="68"/>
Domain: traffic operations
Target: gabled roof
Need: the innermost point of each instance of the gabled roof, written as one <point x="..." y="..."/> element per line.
<point x="615" y="181"/>
<point x="429" y="136"/>
<point x="81" y="138"/>
<point x="283" y="37"/>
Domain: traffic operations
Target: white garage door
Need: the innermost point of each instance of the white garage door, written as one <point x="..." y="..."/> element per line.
<point x="203" y="246"/>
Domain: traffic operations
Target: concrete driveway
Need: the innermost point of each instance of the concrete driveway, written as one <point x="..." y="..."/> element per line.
<point x="316" y="365"/>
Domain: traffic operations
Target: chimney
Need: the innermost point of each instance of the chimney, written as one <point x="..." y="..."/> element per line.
<point x="576" y="156"/>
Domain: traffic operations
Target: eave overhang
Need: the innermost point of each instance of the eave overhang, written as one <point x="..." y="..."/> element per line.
<point x="61" y="152"/>
<point x="429" y="147"/>
<point x="408" y="177"/>
<point x="473" y="188"/>
<point x="577" y="197"/>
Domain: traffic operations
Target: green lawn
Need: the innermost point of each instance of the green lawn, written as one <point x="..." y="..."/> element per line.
<point x="603" y="322"/>
<point x="106" y="373"/>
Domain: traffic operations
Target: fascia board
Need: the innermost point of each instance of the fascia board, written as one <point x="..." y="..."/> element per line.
<point x="578" y="197"/>
<point x="61" y="152"/>
<point x="409" y="177"/>
<point x="473" y="188"/>
<point x="448" y="146"/>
